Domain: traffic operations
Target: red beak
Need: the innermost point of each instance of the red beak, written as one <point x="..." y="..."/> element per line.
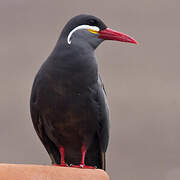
<point x="109" y="34"/>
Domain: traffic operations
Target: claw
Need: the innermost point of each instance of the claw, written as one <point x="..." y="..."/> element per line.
<point x="83" y="166"/>
<point x="62" y="165"/>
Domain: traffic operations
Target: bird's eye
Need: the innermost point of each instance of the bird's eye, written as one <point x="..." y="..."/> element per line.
<point x="92" y="22"/>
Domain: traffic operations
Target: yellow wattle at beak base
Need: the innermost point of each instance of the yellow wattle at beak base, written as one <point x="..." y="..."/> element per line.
<point x="93" y="31"/>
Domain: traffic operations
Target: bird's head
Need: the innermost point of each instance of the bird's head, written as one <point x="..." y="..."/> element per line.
<point x="90" y="29"/>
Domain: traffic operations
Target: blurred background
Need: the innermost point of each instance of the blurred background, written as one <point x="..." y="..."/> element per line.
<point x="142" y="82"/>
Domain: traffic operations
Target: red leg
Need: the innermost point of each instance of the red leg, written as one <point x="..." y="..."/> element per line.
<point x="61" y="150"/>
<point x="63" y="163"/>
<point x="83" y="152"/>
<point x="83" y="155"/>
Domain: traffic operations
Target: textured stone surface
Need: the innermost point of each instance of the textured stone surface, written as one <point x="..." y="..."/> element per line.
<point x="39" y="172"/>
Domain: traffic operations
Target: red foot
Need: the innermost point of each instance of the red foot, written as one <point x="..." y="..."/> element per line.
<point x="62" y="165"/>
<point x="83" y="166"/>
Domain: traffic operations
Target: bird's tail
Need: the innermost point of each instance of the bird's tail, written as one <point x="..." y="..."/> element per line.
<point x="103" y="159"/>
<point x="95" y="156"/>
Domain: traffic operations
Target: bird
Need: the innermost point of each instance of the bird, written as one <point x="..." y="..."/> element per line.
<point x="68" y="102"/>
